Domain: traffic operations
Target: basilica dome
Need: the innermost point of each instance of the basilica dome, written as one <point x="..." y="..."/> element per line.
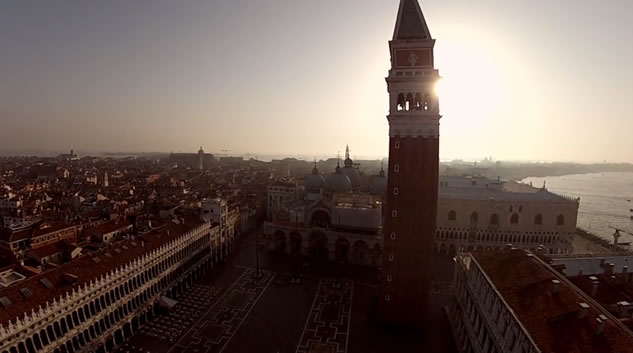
<point x="378" y="183"/>
<point x="338" y="182"/>
<point x="315" y="181"/>
<point x="351" y="172"/>
<point x="353" y="175"/>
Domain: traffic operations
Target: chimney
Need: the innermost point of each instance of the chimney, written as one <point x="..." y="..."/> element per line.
<point x="624" y="309"/>
<point x="583" y="308"/>
<point x="609" y="268"/>
<point x="580" y="272"/>
<point x="555" y="286"/>
<point x="602" y="262"/>
<point x="594" y="286"/>
<point x="508" y="247"/>
<point x="625" y="269"/>
<point x="600" y="321"/>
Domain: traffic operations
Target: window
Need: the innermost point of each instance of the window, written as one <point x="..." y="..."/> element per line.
<point x="46" y="283"/>
<point x="396" y="168"/>
<point x="389" y="278"/>
<point x="514" y="219"/>
<point x="395" y="191"/>
<point x="394" y="213"/>
<point x="391" y="257"/>
<point x="560" y="220"/>
<point x="5" y="302"/>
<point x="400" y="105"/>
<point x="474" y="218"/>
<point x="393" y="236"/>
<point x="452" y="215"/>
<point x="538" y="220"/>
<point x="409" y="104"/>
<point x="494" y="220"/>
<point x="26" y="292"/>
<point x="396" y="145"/>
<point x="387" y="298"/>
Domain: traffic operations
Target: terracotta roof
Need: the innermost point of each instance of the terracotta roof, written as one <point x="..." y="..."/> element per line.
<point x="86" y="268"/>
<point x="109" y="227"/>
<point x="612" y="288"/>
<point x="551" y="319"/>
<point x="53" y="248"/>
<point x="54" y="227"/>
<point x="9" y="236"/>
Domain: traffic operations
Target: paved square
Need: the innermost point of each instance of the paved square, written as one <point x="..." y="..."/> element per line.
<point x="229" y="311"/>
<point x="327" y="327"/>
<point x="218" y="325"/>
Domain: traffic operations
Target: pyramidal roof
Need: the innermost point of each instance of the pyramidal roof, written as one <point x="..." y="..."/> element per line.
<point x="411" y="23"/>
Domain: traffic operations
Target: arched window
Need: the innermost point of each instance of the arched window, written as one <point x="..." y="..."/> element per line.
<point x="538" y="220"/>
<point x="474" y="218"/>
<point x="418" y="101"/>
<point x="452" y="215"/>
<point x="409" y="103"/>
<point x="494" y="220"/>
<point x="514" y="219"/>
<point x="400" y="106"/>
<point x="560" y="220"/>
<point x="427" y="102"/>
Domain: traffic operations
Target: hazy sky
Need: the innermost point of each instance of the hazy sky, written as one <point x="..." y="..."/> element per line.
<point x="522" y="79"/>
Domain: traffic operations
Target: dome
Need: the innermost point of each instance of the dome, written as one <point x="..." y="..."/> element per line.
<point x="338" y="182"/>
<point x="353" y="175"/>
<point x="315" y="181"/>
<point x="378" y="183"/>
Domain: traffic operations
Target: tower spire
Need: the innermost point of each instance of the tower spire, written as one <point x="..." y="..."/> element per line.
<point x="346" y="151"/>
<point x="411" y="23"/>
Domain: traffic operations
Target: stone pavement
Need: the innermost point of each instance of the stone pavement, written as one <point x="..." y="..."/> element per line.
<point x="231" y="311"/>
<point x="218" y="325"/>
<point x="327" y="327"/>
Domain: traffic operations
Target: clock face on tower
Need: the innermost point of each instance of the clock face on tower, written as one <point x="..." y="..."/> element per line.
<point x="413" y="58"/>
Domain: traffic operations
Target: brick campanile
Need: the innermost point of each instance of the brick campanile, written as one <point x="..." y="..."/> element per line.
<point x="412" y="192"/>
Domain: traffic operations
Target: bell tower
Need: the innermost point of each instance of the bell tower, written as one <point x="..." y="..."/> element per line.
<point x="414" y="121"/>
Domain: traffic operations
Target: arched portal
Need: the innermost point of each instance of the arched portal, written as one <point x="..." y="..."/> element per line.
<point x="342" y="250"/>
<point x="295" y="244"/>
<point x="280" y="241"/>
<point x="318" y="247"/>
<point x="320" y="218"/>
<point x="361" y="253"/>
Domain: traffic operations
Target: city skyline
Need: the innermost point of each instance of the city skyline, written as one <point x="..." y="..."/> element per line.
<point x="131" y="77"/>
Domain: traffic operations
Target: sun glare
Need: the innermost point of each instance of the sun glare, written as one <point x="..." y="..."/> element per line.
<point x="474" y="84"/>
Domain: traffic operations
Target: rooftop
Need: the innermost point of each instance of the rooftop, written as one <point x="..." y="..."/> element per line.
<point x="467" y="188"/>
<point x="551" y="319"/>
<point x="85" y="269"/>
